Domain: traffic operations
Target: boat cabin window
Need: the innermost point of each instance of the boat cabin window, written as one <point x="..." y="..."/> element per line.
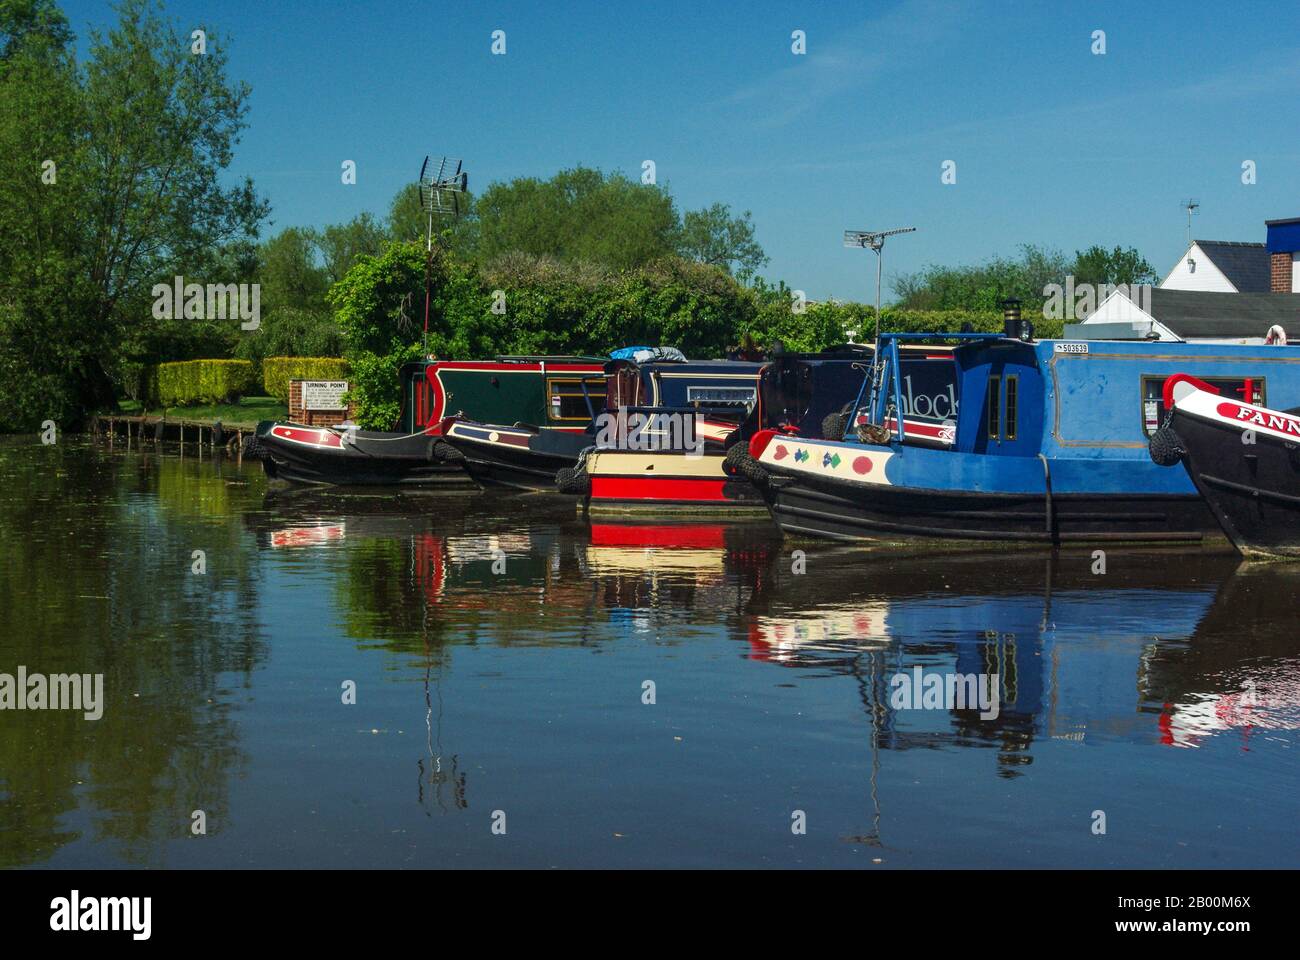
<point x="740" y="397"/>
<point x="1012" y="389"/>
<point x="995" y="407"/>
<point x="1004" y="407"/>
<point x="566" y="399"/>
<point x="421" y="402"/>
<point x="1249" y="389"/>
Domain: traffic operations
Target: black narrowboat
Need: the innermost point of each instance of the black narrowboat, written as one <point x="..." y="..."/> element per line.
<point x="415" y="453"/>
<point x="526" y="457"/>
<point x="1244" y="459"/>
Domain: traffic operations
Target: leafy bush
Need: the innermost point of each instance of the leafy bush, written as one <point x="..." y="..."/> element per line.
<point x="552" y="307"/>
<point x="827" y="323"/>
<point x="291" y="332"/>
<point x="200" y="381"/>
<point x="278" y="371"/>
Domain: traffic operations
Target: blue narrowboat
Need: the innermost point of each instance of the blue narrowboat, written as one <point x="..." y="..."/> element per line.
<point x="1049" y="444"/>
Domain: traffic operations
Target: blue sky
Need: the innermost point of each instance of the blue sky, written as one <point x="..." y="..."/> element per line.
<point x="1053" y="145"/>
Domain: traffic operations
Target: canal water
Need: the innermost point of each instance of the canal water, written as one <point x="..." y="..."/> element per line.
<point x="535" y="690"/>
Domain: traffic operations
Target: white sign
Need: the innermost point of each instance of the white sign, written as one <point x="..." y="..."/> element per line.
<point x="1071" y="348"/>
<point x="324" y="394"/>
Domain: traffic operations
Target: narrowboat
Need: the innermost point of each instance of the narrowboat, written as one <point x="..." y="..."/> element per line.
<point x="1049" y="445"/>
<point x="1243" y="457"/>
<point x="543" y="390"/>
<point x="521" y="456"/>
<point x="799" y="394"/>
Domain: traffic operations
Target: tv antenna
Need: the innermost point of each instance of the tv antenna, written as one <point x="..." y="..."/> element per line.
<point x="1191" y="205"/>
<point x="443" y="185"/>
<point x="876" y="241"/>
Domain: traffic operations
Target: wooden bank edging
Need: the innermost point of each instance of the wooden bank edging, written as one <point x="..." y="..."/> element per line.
<point x="145" y="429"/>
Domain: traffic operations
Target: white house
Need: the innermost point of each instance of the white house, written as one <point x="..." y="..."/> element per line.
<point x="1190" y="315"/>
<point x="1220" y="266"/>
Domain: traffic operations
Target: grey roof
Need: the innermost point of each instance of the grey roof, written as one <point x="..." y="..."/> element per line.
<point x="1194" y="314"/>
<point x="1244" y="264"/>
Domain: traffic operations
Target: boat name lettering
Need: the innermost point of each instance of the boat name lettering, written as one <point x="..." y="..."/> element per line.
<point x="1260" y="418"/>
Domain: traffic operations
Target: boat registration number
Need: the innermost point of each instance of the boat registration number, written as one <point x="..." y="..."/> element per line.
<point x="1071" y="348"/>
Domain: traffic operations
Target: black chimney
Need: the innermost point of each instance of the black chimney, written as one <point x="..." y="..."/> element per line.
<point x="1011" y="327"/>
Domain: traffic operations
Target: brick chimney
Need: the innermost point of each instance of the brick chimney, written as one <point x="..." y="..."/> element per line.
<point x="1283" y="253"/>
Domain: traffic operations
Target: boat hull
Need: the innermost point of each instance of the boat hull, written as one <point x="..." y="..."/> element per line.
<point x="300" y="454"/>
<point x="522" y="459"/>
<point x="861" y="492"/>
<point x="1249" y="478"/>
<point x="668" y="483"/>
<point x="825" y="509"/>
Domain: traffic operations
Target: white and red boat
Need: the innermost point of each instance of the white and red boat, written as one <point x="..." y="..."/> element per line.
<point x="537" y="395"/>
<point x="1244" y="459"/>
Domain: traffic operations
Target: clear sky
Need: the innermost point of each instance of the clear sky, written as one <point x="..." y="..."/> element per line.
<point x="1053" y="144"/>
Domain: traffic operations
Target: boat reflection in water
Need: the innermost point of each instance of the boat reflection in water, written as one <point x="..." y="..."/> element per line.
<point x="1232" y="679"/>
<point x="1151" y="651"/>
<point x="1097" y="677"/>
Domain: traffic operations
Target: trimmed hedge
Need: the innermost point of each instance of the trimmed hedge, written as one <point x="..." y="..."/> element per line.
<point x="191" y="382"/>
<point x="278" y="371"/>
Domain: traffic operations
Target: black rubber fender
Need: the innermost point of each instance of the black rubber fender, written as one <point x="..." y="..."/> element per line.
<point x="573" y="480"/>
<point x="445" y="452"/>
<point x="1166" y="447"/>
<point x="738" y="462"/>
<point x="833" y="425"/>
<point x="254" y="449"/>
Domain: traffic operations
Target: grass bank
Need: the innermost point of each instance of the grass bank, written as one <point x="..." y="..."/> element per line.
<point x="245" y="412"/>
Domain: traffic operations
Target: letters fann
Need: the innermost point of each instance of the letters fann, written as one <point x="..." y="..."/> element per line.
<point x="1258" y="418"/>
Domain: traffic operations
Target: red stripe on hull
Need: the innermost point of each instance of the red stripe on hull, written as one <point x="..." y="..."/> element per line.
<point x="658" y="488"/>
<point x="640" y="535"/>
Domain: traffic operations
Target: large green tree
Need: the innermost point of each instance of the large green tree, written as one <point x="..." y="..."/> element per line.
<point x="116" y="185"/>
<point x="1098" y="266"/>
<point x="714" y="236"/>
<point x="980" y="287"/>
<point x="579" y="214"/>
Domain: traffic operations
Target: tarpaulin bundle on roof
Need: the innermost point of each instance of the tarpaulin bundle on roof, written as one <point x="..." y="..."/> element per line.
<point x="647" y="354"/>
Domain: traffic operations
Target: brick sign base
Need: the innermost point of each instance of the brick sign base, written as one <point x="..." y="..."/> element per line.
<point x="313" y="418"/>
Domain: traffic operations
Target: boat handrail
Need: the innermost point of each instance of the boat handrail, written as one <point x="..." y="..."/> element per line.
<point x="877" y="412"/>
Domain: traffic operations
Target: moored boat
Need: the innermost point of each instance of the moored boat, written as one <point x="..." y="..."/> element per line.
<point x="1244" y="459"/>
<point x="1049" y="446"/>
<point x="799" y="394"/>
<point x="415" y="453"/>
<point x="521" y="456"/>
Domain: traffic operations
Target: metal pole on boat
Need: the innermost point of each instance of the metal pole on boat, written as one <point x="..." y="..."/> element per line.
<point x="876" y="241"/>
<point x="442" y="184"/>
